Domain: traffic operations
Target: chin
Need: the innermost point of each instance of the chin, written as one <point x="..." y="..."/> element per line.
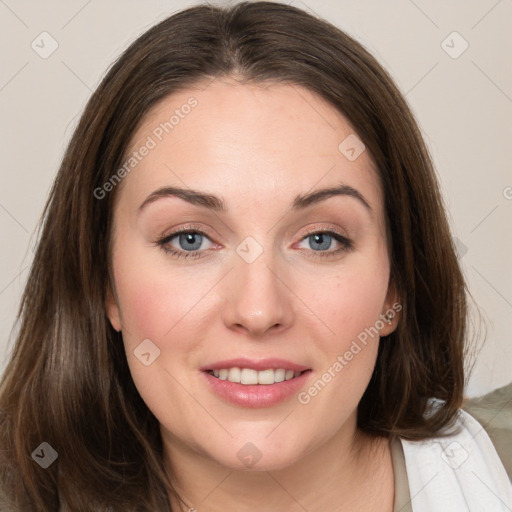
<point x="258" y="454"/>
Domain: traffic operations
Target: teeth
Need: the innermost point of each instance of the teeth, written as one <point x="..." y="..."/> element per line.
<point x="234" y="375"/>
<point x="247" y="376"/>
<point x="279" y="375"/>
<point x="266" y="377"/>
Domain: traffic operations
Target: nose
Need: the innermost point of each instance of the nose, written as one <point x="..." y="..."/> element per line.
<point x="258" y="300"/>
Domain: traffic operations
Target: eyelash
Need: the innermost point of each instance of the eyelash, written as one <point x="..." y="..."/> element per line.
<point x="346" y="244"/>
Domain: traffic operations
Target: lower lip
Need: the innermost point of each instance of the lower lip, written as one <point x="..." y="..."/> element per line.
<point x="258" y="395"/>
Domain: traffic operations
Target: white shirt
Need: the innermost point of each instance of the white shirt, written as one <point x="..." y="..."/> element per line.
<point x="461" y="472"/>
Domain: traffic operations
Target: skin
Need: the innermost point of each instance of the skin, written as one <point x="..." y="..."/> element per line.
<point x="257" y="146"/>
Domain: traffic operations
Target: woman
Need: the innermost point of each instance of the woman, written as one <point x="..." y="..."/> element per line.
<point x="306" y="346"/>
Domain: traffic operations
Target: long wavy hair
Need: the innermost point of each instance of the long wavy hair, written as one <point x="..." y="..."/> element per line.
<point x="68" y="383"/>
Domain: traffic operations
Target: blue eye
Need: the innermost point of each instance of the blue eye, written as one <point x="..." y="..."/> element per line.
<point x="191" y="240"/>
<point x="321" y="242"/>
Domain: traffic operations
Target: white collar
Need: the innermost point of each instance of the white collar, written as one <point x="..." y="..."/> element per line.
<point x="458" y="473"/>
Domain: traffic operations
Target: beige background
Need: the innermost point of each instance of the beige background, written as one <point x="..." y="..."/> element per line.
<point x="463" y="103"/>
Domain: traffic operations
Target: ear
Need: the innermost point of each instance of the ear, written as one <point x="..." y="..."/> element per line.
<point x="392" y="307"/>
<point x="112" y="309"/>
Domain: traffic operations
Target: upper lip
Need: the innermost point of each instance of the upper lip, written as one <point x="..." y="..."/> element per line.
<point x="261" y="364"/>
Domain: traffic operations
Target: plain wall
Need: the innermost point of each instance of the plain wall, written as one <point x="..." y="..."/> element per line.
<point x="462" y="101"/>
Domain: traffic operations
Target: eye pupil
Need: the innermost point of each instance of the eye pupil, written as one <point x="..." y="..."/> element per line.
<point x="318" y="238"/>
<point x="190" y="238"/>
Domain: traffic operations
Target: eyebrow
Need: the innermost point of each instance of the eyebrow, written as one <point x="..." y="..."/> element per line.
<point x="217" y="204"/>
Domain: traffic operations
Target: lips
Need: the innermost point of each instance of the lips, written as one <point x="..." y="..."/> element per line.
<point x="246" y="392"/>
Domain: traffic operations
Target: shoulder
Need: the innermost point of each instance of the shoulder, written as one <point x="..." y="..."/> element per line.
<point x="494" y="413"/>
<point x="456" y="469"/>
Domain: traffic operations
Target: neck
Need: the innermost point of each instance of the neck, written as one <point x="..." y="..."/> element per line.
<point x="351" y="470"/>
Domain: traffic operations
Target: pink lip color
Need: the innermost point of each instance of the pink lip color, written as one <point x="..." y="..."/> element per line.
<point x="262" y="364"/>
<point x="257" y="395"/>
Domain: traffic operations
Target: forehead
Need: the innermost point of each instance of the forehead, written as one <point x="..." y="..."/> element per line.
<point x="257" y="141"/>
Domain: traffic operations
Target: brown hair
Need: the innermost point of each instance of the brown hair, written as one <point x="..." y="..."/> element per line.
<point x="68" y="382"/>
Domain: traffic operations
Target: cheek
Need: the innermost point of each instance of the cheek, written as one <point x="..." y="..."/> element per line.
<point x="163" y="305"/>
<point x="349" y="302"/>
<point x="152" y="299"/>
<point x="144" y="305"/>
<point x="348" y="353"/>
<point x="154" y="305"/>
<point x="347" y="310"/>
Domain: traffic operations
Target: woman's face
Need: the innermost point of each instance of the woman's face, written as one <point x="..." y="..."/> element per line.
<point x="268" y="275"/>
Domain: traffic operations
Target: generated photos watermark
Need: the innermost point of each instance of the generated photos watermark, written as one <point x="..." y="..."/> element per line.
<point x="304" y="397"/>
<point x="151" y="142"/>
